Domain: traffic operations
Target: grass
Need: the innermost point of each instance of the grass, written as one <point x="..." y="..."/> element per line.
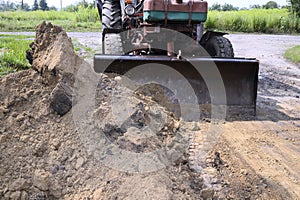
<point x="293" y="54"/>
<point x="84" y="19"/>
<point x="81" y="49"/>
<point x="256" y="20"/>
<point x="13" y="53"/>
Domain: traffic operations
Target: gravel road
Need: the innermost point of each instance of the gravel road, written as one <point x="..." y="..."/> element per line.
<point x="269" y="50"/>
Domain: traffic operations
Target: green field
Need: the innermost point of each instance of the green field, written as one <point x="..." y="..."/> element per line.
<point x="84" y="20"/>
<point x="256" y="20"/>
<point x="13" y="53"/>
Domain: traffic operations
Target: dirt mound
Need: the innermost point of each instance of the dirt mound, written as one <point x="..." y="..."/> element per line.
<point x="42" y="154"/>
<point x="49" y="152"/>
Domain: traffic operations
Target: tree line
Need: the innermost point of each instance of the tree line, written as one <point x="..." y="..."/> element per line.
<point x="37" y="5"/>
<point x="229" y="7"/>
<point x="293" y="5"/>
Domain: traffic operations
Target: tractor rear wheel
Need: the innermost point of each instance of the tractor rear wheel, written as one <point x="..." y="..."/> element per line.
<point x="219" y="46"/>
<point x="111" y="15"/>
<point x="113" y="44"/>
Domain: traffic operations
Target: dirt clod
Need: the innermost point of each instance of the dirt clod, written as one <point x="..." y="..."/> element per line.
<point x="41" y="180"/>
<point x="61" y="99"/>
<point x="53" y="56"/>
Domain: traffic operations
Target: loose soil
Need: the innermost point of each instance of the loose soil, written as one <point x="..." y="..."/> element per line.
<point x="46" y="152"/>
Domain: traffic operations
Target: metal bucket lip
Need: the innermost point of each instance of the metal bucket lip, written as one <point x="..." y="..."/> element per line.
<point x="167" y="58"/>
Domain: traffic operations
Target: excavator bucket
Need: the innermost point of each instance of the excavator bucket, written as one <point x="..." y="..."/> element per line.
<point x="231" y="82"/>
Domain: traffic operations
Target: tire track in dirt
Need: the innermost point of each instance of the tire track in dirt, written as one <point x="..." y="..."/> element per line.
<point x="270" y="155"/>
<point x="270" y="142"/>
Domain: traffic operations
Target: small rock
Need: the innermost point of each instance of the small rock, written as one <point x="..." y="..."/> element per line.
<point x="56" y="189"/>
<point x="56" y="143"/>
<point x="207" y="120"/>
<point x="15" y="195"/>
<point x="58" y="120"/>
<point x="193" y="126"/>
<point x="7" y="195"/>
<point x="3" y="130"/>
<point x="176" y="125"/>
<point x="38" y="196"/>
<point x="297" y="96"/>
<point x="3" y="111"/>
<point x="79" y="162"/>
<point x="61" y="98"/>
<point x="41" y="180"/>
<point x="25" y="97"/>
<point x="244" y="172"/>
<point x="19" y="184"/>
<point x="30" y="93"/>
<point x="3" y="138"/>
<point x="24" y="138"/>
<point x="62" y="167"/>
<point x="98" y="194"/>
<point x="20" y="118"/>
<point x="196" y="144"/>
<point x="24" y="196"/>
<point x="207" y="193"/>
<point x="226" y="183"/>
<point x="55" y="169"/>
<point x="14" y="114"/>
<point x="210" y="170"/>
<point x="118" y="78"/>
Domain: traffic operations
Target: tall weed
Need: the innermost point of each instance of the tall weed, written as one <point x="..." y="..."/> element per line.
<point x="85" y="19"/>
<point x="256" y="20"/>
<point x="87" y="15"/>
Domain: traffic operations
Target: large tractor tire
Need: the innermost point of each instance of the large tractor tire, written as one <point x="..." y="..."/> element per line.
<point x="219" y="46"/>
<point x="111" y="15"/>
<point x="113" y="44"/>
